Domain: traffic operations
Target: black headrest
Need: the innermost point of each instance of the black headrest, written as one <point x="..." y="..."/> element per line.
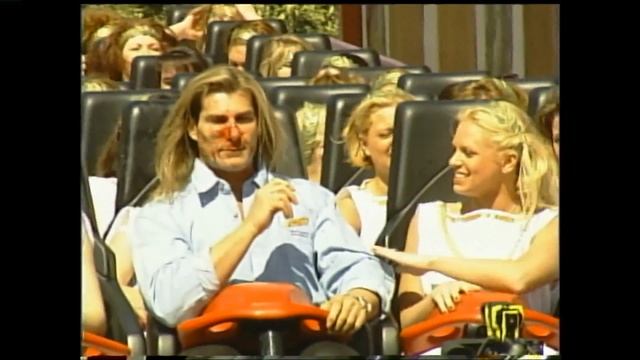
<point x="145" y="73"/>
<point x="291" y="163"/>
<point x="336" y="171"/>
<point x="421" y="148"/>
<point x="141" y="122"/>
<point x="270" y="84"/>
<point x="293" y="97"/>
<point x="180" y="80"/>
<point x="100" y="114"/>
<point x="256" y="44"/>
<point x="538" y="97"/>
<point x="218" y="37"/>
<point x="530" y="84"/>
<point x="371" y="73"/>
<point x="177" y="13"/>
<point x="431" y="84"/>
<point x="307" y="63"/>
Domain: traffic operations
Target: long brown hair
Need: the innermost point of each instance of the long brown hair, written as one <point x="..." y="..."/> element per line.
<point x="176" y="151"/>
<point x="109" y="54"/>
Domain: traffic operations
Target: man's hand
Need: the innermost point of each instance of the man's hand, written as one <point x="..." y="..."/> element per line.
<point x="346" y="314"/>
<point x="277" y="195"/>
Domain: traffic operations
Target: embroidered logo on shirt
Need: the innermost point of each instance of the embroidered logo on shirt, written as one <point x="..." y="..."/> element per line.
<point x="299" y="221"/>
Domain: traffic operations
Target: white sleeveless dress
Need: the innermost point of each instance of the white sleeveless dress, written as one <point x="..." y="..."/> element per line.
<point x="481" y="234"/>
<point x="372" y="210"/>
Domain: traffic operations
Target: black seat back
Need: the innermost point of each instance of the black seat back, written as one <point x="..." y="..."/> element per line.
<point x="293" y="97"/>
<point x="145" y="73"/>
<point x="290" y="164"/>
<point x="421" y="148"/>
<point x="430" y="85"/>
<point x="336" y="171"/>
<point x="177" y="13"/>
<point x="307" y="63"/>
<point x="100" y="112"/>
<point x="256" y="45"/>
<point x="142" y="121"/>
<point x="371" y="73"/>
<point x="180" y="80"/>
<point x="530" y="84"/>
<point x="218" y="33"/>
<point x="538" y="97"/>
<point x="270" y="84"/>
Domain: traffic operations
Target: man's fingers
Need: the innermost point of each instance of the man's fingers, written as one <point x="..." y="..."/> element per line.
<point x="287" y="209"/>
<point x="334" y="310"/>
<point x="360" y="321"/>
<point x="348" y="306"/>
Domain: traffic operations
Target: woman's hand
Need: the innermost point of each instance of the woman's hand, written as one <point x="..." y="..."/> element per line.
<point x="447" y="294"/>
<point x="404" y="262"/>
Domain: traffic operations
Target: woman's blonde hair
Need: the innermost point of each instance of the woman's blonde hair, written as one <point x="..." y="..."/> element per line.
<point x="486" y="89"/>
<point x="511" y="129"/>
<point x="176" y="151"/>
<point x="360" y="121"/>
<point x="331" y="75"/>
<point x="241" y="33"/>
<point x="387" y="80"/>
<point x="279" y="51"/>
<point x="311" y="120"/>
<point x="98" y="83"/>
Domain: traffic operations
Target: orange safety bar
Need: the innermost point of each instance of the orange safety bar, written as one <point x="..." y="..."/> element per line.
<point x="439" y="328"/>
<point x="251" y="301"/>
<point x="99" y="345"/>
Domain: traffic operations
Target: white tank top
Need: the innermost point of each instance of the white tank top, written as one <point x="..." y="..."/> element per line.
<point x="372" y="210"/>
<point x="481" y="234"/>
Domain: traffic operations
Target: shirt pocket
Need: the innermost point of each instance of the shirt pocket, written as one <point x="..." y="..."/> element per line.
<point x="300" y="236"/>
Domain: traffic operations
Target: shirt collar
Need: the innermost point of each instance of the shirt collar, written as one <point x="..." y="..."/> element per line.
<point x="204" y="178"/>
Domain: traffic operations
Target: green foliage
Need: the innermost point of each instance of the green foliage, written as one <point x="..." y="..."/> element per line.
<point x="299" y="18"/>
<point x="139" y="11"/>
<point x="303" y="18"/>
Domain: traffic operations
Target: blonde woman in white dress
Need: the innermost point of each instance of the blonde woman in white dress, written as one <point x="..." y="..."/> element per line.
<point x="503" y="236"/>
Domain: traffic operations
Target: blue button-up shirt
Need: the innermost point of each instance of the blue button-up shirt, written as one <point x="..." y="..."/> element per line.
<point x="172" y="239"/>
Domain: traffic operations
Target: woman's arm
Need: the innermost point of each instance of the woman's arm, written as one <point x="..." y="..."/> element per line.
<point x="186" y="29"/>
<point x="94" y="318"/>
<point x="120" y="244"/>
<point x="248" y="12"/>
<point x="414" y="306"/>
<point x="348" y="210"/>
<point x="538" y="266"/>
